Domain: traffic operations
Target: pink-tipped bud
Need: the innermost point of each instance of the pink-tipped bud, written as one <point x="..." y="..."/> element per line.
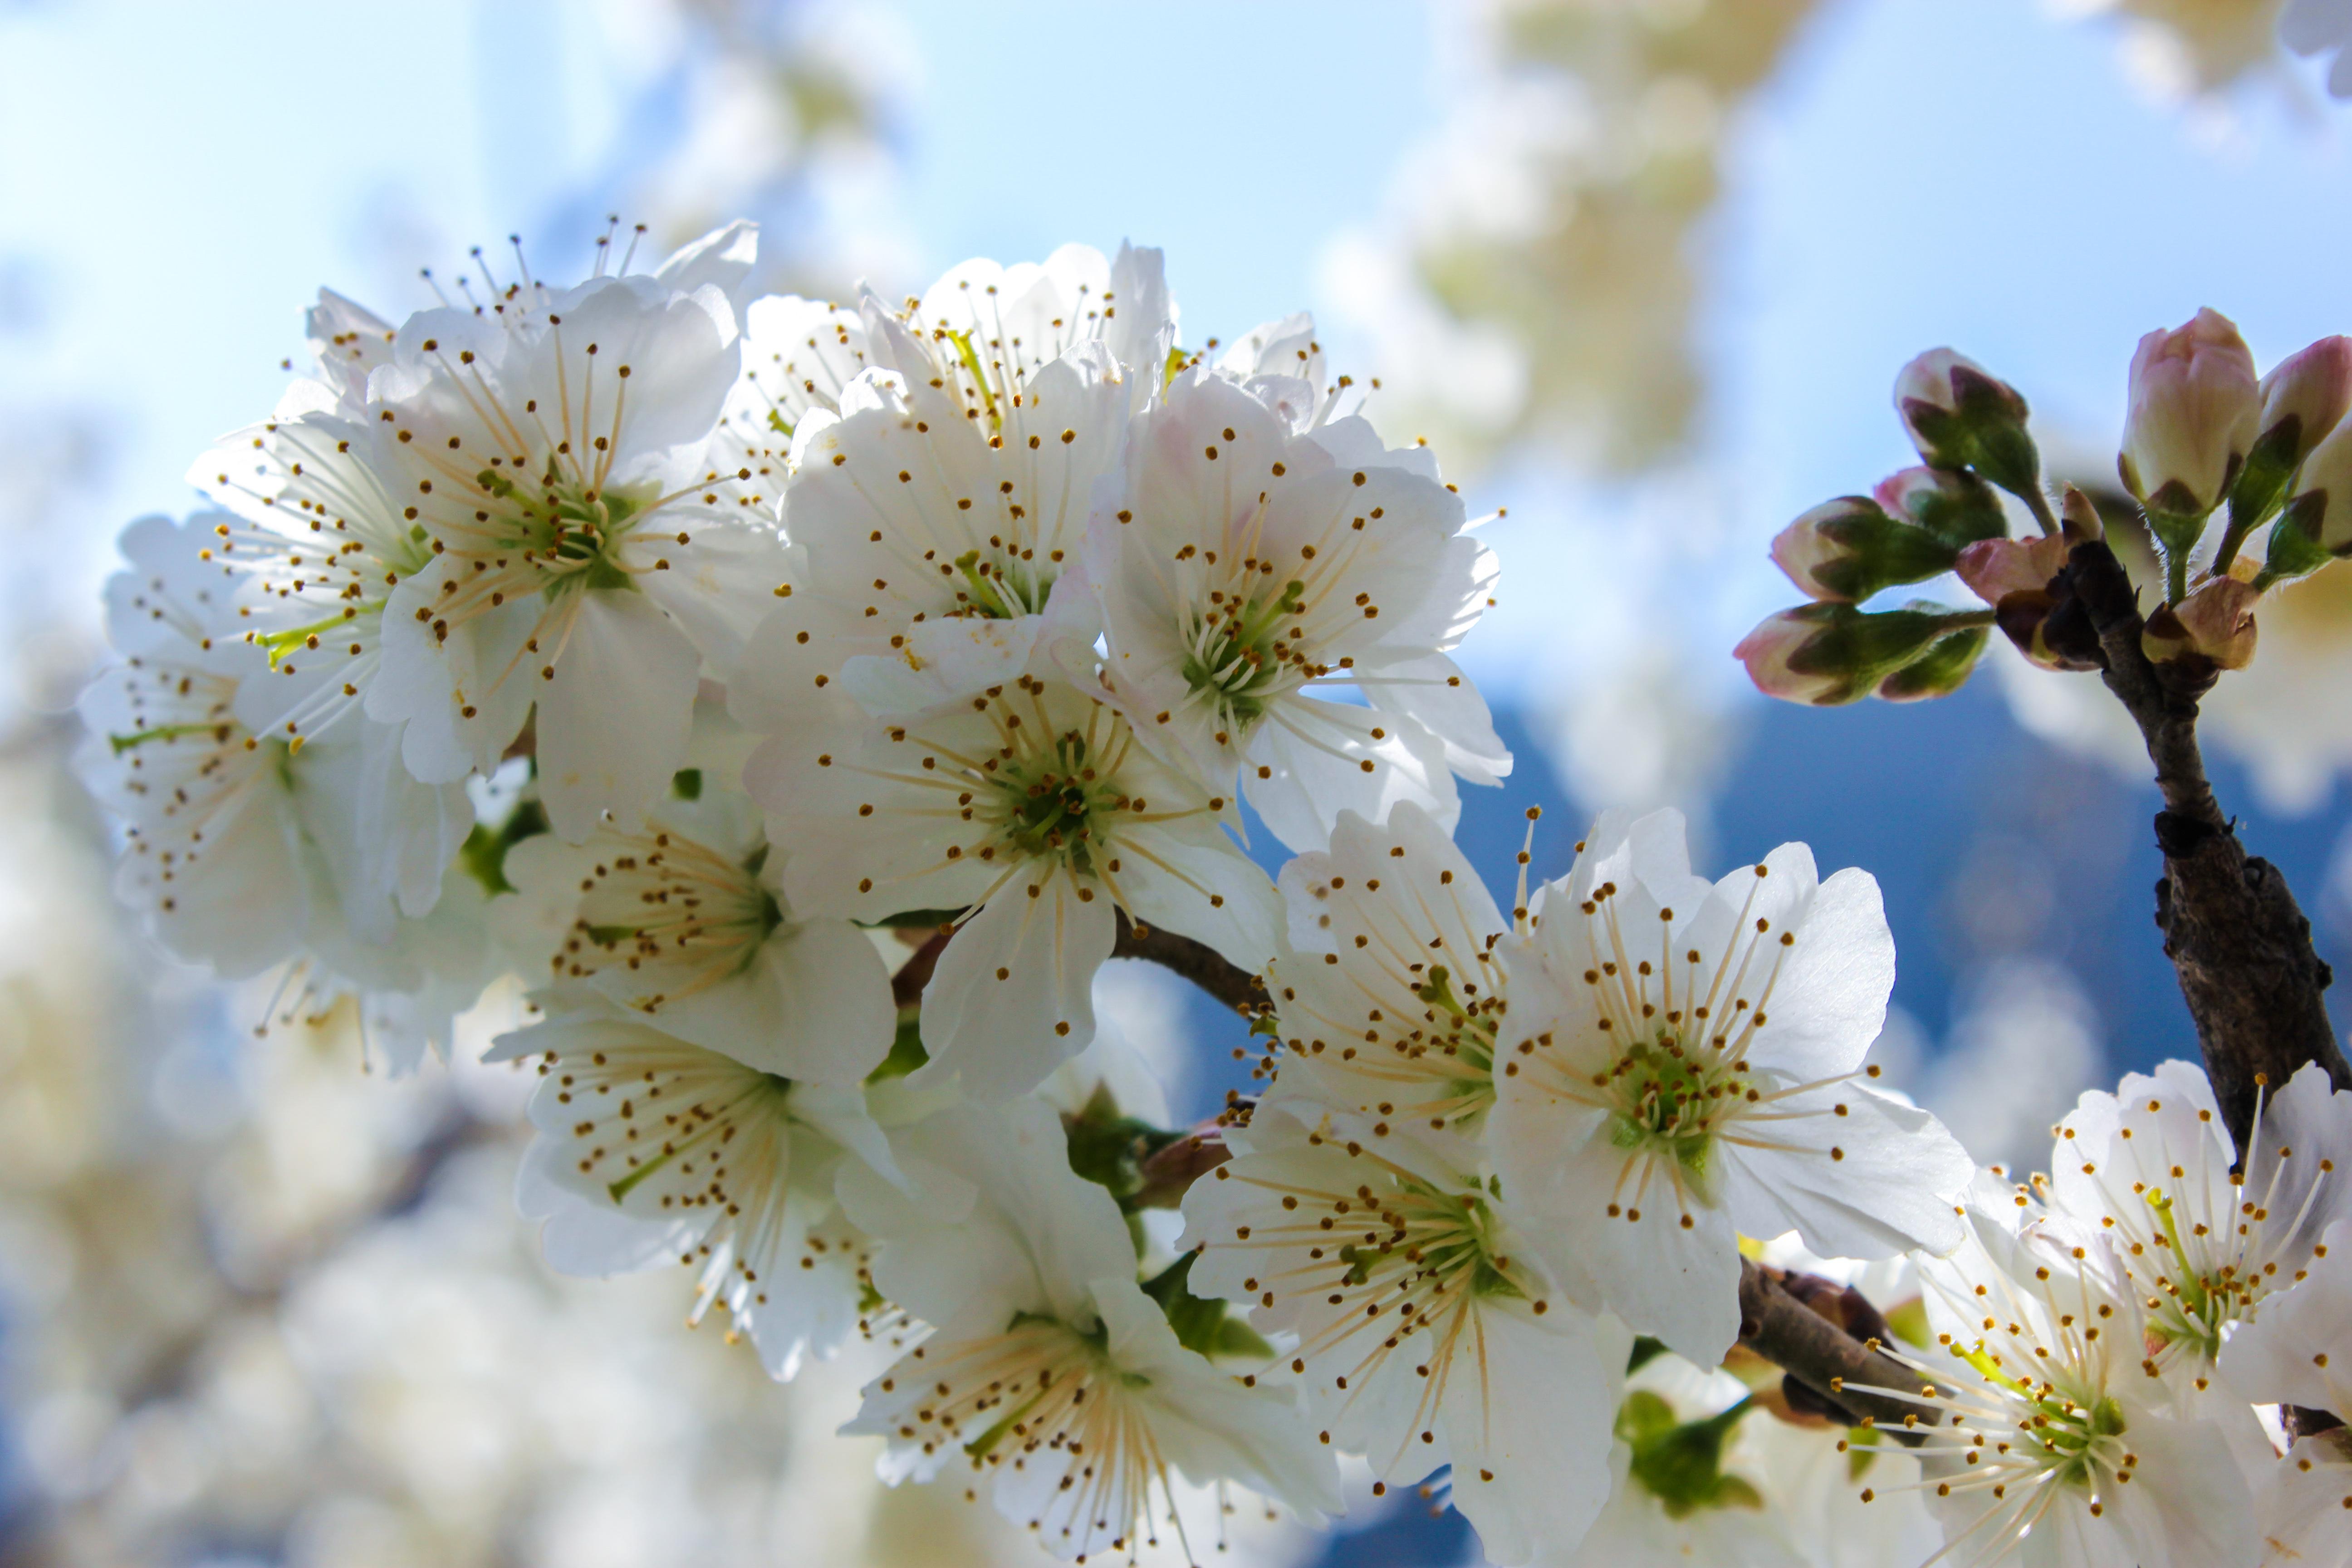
<point x="2078" y="517"/>
<point x="1959" y="415"/>
<point x="1774" y="654"/>
<point x="2196" y="408"/>
<point x="1952" y="504"/>
<point x="1829" y="653"/>
<point x="1994" y="569"/>
<point x="2313" y="387"/>
<point x="2216" y="622"/>
<point x="1844" y="551"/>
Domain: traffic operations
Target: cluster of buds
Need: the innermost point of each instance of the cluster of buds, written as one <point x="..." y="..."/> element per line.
<point x="2204" y="436"/>
<point x="1943" y="516"/>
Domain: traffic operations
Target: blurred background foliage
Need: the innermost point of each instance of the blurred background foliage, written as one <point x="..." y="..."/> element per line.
<point x="1642" y="270"/>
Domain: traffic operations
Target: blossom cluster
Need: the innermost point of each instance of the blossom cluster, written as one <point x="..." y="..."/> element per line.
<point x="805" y="701"/>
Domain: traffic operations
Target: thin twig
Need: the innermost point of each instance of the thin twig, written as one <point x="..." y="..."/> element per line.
<point x="1197" y="962"/>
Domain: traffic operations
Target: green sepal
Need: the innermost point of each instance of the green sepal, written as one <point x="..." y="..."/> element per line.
<point x="1943" y="669"/>
<point x="1881" y="553"/>
<point x="1109" y="1148"/>
<point x="1645" y="1351"/>
<point x="1203" y="1324"/>
<point x="1863" y="648"/>
<point x="1959" y="512"/>
<point x="2261" y="483"/>
<point x="1680" y="1465"/>
<point x="484" y="853"/>
<point x="2293" y="551"/>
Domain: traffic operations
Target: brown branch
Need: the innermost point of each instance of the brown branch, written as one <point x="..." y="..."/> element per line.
<point x="1824" y="1358"/>
<point x="2239" y="944"/>
<point x="1197" y="962"/>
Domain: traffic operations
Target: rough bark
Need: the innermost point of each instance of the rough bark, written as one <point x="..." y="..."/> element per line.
<point x="2238" y="942"/>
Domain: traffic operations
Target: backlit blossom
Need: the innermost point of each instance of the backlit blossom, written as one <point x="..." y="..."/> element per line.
<point x="1046" y="1371"/>
<point x="650" y="1149"/>
<point x="683" y="920"/>
<point x="1424" y="1331"/>
<point x="573" y="553"/>
<point x="1035" y="811"/>
<point x="1389" y="994"/>
<point x="1249" y="573"/>
<point x="2150" y="1167"/>
<point x="2055" y="1441"/>
<point x="1691" y="1061"/>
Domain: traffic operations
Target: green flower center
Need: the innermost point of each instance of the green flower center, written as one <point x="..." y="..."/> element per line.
<point x="562" y="525"/>
<point x="1240" y="657"/>
<point x="1054" y="802"/>
<point x="1670" y="1100"/>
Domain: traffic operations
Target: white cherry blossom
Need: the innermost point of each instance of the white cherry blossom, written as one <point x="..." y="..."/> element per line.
<point x="1282" y="364"/>
<point x="2302" y="1503"/>
<point x="2056" y="1442"/>
<point x="2150" y="1167"/>
<point x="1691" y="1066"/>
<point x="650" y="1149"/>
<point x="986" y="331"/>
<point x="927" y="544"/>
<point x="1033" y="809"/>
<point x="1422" y="1330"/>
<point x="1388" y="991"/>
<point x="1248" y="572"/>
<point x="799" y="356"/>
<point x="536" y="484"/>
<point x="1046" y="1369"/>
<point x="2299" y="1352"/>
<point x="213" y="857"/>
<point x="682" y="919"/>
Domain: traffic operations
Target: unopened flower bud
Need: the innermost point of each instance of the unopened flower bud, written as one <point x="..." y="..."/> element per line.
<point x="1998" y="569"/>
<point x="2311" y="387"/>
<point x="2195" y="411"/>
<point x="2079" y="518"/>
<point x="1846" y="549"/>
<point x="2304" y="399"/>
<point x="2321" y="505"/>
<point x="1960" y="415"/>
<point x="1827" y="654"/>
<point x="2015" y="576"/>
<point x="2216" y="622"/>
<point x="1953" y="504"/>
